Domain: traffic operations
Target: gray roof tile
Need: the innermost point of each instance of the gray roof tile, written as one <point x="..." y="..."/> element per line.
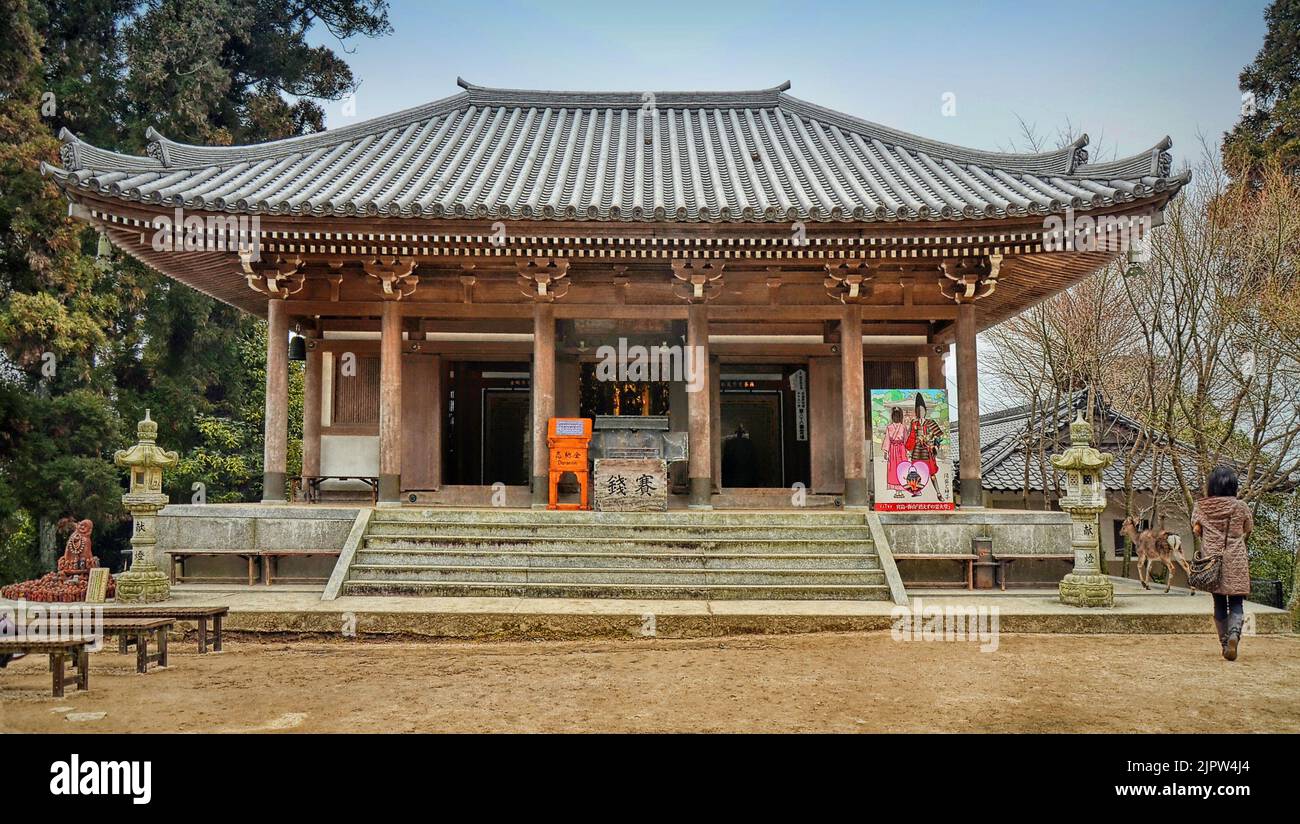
<point x="667" y="156"/>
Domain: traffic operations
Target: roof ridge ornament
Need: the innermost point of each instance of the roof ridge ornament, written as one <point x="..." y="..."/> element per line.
<point x="69" y="152"/>
<point x="157" y="146"/>
<point x="1080" y="155"/>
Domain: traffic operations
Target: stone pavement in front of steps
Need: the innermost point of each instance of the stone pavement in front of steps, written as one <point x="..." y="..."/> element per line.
<point x="298" y="610"/>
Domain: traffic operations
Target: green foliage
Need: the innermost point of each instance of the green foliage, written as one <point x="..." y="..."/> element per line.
<point x="1272" y="546"/>
<point x="18" y="549"/>
<point x="1272" y="130"/>
<point x="121" y="337"/>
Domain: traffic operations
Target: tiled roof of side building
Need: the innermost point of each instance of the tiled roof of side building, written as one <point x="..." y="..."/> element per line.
<point x="760" y="156"/>
<point x="1009" y="464"/>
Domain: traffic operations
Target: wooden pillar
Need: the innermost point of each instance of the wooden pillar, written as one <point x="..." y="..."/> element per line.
<point x="390" y="404"/>
<point x="934" y="367"/>
<point x="715" y="421"/>
<point x="421" y="419"/>
<point x="968" y="407"/>
<point x="825" y="432"/>
<point x="856" y="489"/>
<point x="436" y="395"/>
<point x="699" y="408"/>
<point x="311" y="409"/>
<point x="543" y="395"/>
<point x="275" y="447"/>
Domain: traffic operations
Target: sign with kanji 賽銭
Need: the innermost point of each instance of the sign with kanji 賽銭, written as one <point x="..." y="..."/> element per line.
<point x="631" y="485"/>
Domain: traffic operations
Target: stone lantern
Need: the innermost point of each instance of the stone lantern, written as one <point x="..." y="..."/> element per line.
<point x="145" y="582"/>
<point x="1087" y="585"/>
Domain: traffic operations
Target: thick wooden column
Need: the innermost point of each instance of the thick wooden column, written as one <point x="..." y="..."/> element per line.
<point x="390" y="405"/>
<point x="968" y="407"/>
<point x="938" y="379"/>
<point x="275" y="445"/>
<point x="311" y="409"/>
<point x="699" y="409"/>
<point x="856" y="489"/>
<point x="825" y="432"/>
<point x="543" y="391"/>
<point x="421" y="418"/>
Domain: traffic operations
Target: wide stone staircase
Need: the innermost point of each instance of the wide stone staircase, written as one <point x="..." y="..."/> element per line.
<point x="736" y="555"/>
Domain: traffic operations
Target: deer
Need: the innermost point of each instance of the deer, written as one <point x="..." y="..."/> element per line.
<point x="1156" y="545"/>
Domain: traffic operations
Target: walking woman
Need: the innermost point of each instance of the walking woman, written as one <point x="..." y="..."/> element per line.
<point x="1223" y="522"/>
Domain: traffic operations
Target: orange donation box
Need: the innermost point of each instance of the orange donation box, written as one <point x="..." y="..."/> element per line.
<point x="568" y="439"/>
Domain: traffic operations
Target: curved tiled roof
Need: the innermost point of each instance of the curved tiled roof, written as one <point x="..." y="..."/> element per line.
<point x="665" y="156"/>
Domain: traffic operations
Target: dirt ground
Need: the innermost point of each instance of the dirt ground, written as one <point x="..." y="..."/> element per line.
<point x="858" y="682"/>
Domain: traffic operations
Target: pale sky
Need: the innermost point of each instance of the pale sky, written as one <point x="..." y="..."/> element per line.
<point x="1125" y="73"/>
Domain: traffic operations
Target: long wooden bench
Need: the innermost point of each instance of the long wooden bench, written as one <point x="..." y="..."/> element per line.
<point x="135" y="632"/>
<point x="261" y="565"/>
<point x="129" y="632"/>
<point x="61" y="651"/>
<point x="179" y="556"/>
<point x="1005" y="559"/>
<point x="307" y="488"/>
<point x="271" y="556"/>
<point x="198" y="614"/>
<point x="968" y="560"/>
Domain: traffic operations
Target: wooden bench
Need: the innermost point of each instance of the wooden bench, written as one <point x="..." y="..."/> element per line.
<point x="179" y="556"/>
<point x="271" y="556"/>
<point x="968" y="560"/>
<point x="1005" y="559"/>
<point x="136" y="631"/>
<point x="199" y="615"/>
<point x="60" y="650"/>
<point x="307" y="487"/>
<point x="129" y="631"/>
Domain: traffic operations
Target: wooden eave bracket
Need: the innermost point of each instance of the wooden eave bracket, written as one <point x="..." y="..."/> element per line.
<point x="284" y="277"/>
<point x="848" y="281"/>
<point x="396" y="276"/>
<point x="699" y="280"/>
<point x="966" y="280"/>
<point x="543" y="279"/>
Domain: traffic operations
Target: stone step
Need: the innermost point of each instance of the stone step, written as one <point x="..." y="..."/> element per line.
<point x="636" y="544"/>
<point x="458" y="589"/>
<point x="633" y="519"/>
<point x="532" y="557"/>
<point x="616" y="576"/>
<point x="660" y="531"/>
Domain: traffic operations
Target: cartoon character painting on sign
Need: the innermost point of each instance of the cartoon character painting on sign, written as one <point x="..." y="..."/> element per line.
<point x="912" y="455"/>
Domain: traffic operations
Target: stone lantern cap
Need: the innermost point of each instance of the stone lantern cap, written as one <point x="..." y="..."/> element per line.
<point x="146" y="453"/>
<point x="1081" y="456"/>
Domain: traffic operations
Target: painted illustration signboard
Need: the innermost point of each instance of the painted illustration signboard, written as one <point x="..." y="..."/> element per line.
<point x="911" y="450"/>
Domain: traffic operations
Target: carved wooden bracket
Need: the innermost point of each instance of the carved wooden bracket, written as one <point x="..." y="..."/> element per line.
<point x="335" y="278"/>
<point x="284" y="277"/>
<point x="701" y="280"/>
<point x="396" y="276"/>
<point x="848" y="281"/>
<point x="543" y="279"/>
<point x="967" y="280"/>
